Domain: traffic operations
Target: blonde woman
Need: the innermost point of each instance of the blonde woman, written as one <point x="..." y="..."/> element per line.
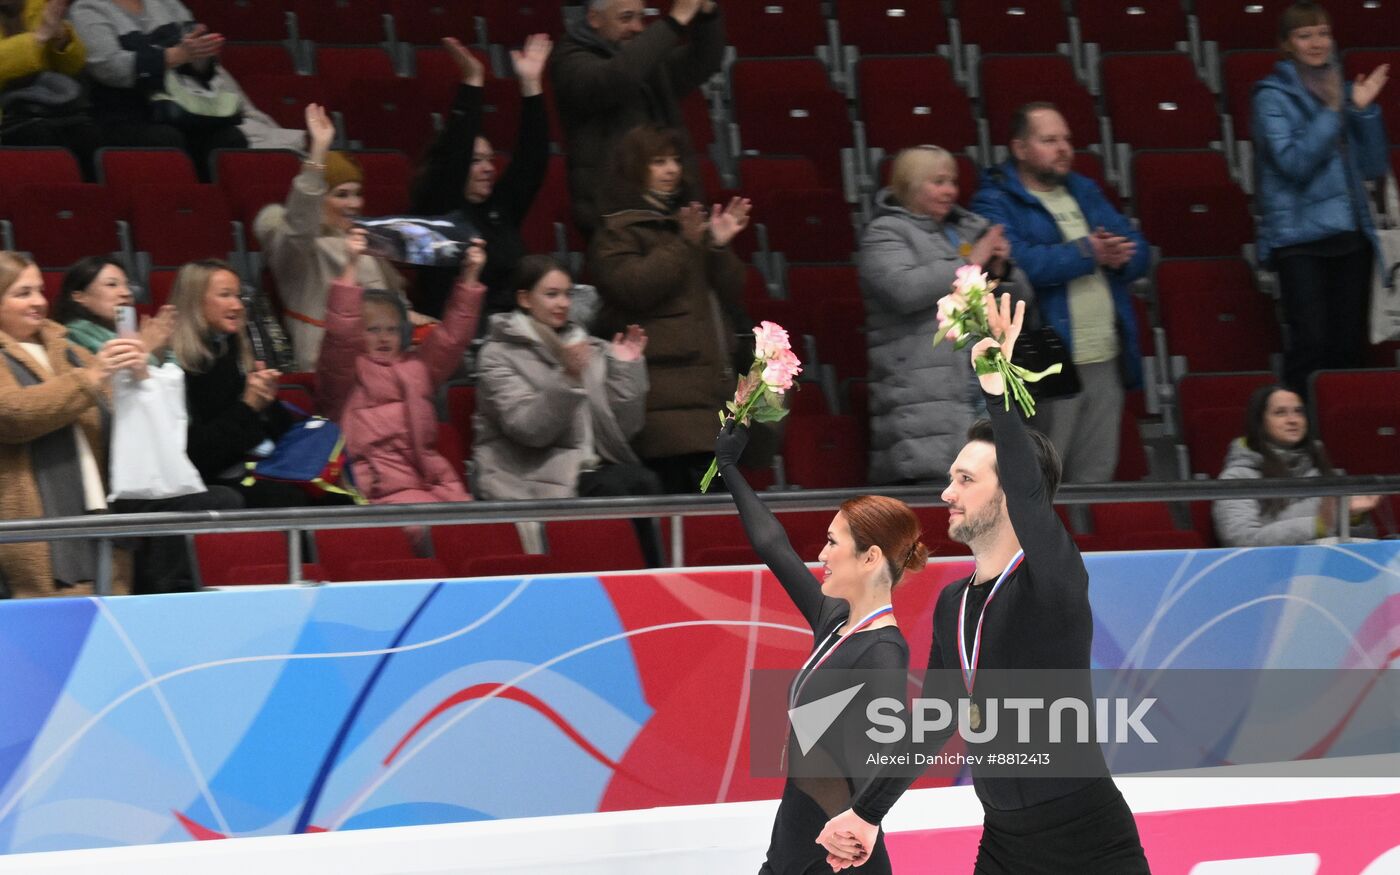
<point x="304" y="240"/>
<point x="922" y="400"/>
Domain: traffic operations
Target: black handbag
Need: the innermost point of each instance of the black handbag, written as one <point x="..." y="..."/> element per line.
<point x="1040" y="348"/>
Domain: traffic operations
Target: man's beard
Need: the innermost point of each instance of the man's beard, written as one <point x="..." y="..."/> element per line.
<point x="1049" y="177"/>
<point x="977" y="527"/>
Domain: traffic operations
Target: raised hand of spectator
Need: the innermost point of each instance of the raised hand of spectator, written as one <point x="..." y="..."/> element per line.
<point x="260" y="390"/>
<point x="320" y="130"/>
<point x="683" y="11"/>
<point x="630" y="346"/>
<point x="529" y="63"/>
<point x="727" y="223"/>
<point x="474" y="261"/>
<point x="693" y="224"/>
<point x="156" y="330"/>
<point x="1366" y="87"/>
<point x="51" y="27"/>
<point x="473" y="73"/>
<point x="576" y="358"/>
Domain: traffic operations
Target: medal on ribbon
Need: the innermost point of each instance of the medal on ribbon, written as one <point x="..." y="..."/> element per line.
<point x="968" y="661"/>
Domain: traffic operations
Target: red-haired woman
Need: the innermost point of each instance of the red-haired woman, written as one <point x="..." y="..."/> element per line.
<point x="871" y="542"/>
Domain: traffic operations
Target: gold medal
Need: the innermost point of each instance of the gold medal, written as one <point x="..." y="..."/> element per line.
<point x="964" y="249"/>
<point x="974" y="717"/>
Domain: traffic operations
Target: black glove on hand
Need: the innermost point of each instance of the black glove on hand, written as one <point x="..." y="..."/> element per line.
<point x="730" y="444"/>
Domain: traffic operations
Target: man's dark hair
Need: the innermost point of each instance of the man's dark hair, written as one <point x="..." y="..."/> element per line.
<point x="1021" y="118"/>
<point x="1045" y="453"/>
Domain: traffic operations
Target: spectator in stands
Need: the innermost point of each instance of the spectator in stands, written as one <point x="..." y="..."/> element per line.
<point x="92" y="290"/>
<point x="304" y="240"/>
<point x="1080" y="254"/>
<point x="660" y="263"/>
<point x="612" y="74"/>
<point x="1278" y="443"/>
<point x="41" y="100"/>
<point x="132" y="46"/>
<point x="1316" y="139"/>
<point x="555" y="408"/>
<point x="53" y="452"/>
<point x="922" y="399"/>
<point x="459" y="178"/>
<point x="381" y="392"/>
<point x="231" y="399"/>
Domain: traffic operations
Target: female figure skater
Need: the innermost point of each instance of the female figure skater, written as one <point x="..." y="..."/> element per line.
<point x="871" y="543"/>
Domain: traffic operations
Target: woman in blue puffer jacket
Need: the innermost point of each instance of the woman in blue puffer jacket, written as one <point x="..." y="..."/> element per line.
<point x="1316" y="139"/>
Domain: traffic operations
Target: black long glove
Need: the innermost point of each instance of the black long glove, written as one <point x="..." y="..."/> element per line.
<point x="730" y="444"/>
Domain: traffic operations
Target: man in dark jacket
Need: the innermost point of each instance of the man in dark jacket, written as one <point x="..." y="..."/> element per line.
<point x="612" y="73"/>
<point x="1080" y="255"/>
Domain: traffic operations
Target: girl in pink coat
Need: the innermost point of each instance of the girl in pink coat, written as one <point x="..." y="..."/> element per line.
<point x="380" y="391"/>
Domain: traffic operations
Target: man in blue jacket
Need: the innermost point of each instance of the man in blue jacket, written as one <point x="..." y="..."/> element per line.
<point x="1080" y="255"/>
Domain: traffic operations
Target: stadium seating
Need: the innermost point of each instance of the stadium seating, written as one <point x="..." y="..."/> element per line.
<point x="1131" y="25"/>
<point x="879" y="27"/>
<point x="907" y="101"/>
<point x="1022" y="27"/>
<point x="1189" y="205"/>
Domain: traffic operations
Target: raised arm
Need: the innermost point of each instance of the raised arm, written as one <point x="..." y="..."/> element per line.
<point x="442" y="350"/>
<point x="766" y="534"/>
<point x="515" y="191"/>
<point x="440" y="185"/>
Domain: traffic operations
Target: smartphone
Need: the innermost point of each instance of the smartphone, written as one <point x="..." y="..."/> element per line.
<point x="126" y="321"/>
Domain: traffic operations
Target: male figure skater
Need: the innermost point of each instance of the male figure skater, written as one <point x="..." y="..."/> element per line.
<point x="1025" y="607"/>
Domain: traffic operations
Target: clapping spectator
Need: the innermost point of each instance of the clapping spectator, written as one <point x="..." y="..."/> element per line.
<point x="131" y="46"/>
<point x="923" y="398"/>
<point x="1317" y="138"/>
<point x="41" y="100"/>
<point x="459" y="178"/>
<point x="92" y="290"/>
<point x="1278" y="443"/>
<point x="555" y="406"/>
<point x="613" y="73"/>
<point x="664" y="265"/>
<point x="304" y="240"/>
<point x="230" y="398"/>
<point x="381" y="392"/>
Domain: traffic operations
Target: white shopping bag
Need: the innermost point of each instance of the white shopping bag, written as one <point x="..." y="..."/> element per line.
<point x="1385" y="292"/>
<point x="147" y="458"/>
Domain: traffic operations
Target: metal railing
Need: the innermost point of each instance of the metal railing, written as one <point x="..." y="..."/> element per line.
<point x="106" y="528"/>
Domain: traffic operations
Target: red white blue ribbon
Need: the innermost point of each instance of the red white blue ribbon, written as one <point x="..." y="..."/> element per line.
<point x="969" y="666"/>
<point x="799" y="684"/>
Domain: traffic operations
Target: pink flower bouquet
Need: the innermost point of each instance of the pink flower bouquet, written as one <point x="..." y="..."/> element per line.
<point x="758" y="397"/>
<point x="962" y="318"/>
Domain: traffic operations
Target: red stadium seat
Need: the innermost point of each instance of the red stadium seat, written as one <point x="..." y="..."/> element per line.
<point x="780" y="105"/>
<point x="514" y="565"/>
<point x="716" y="540"/>
<point x="810" y="225"/>
<point x="180" y="223"/>
<point x="30" y="165"/>
<point x="1009" y="81"/>
<point x="338" y="64"/>
<point x="337" y="550"/>
<point x="426" y="22"/>
<point x="840" y="334"/>
<point x="159" y="285"/>
<point x="773" y="175"/>
<point x="386" y="114"/>
<point x="813" y="287"/>
<point x="594" y="545"/>
<point x="285" y="97"/>
<point x="908" y="101"/>
<point x="509" y="22"/>
<point x="59" y="224"/>
<point x="1365" y="23"/>
<point x="1217" y="322"/>
<point x="765" y="30"/>
<point x="1132" y="455"/>
<point x="1237" y="24"/>
<point x="824" y="452"/>
<point x="439" y="77"/>
<point x="242" y="19"/>
<point x="459" y="546"/>
<point x="697" y="121"/>
<point x="1091" y="165"/>
<point x="1129" y="517"/>
<point x="257" y="59"/>
<point x="1241" y="71"/>
<point x="892" y="27"/>
<point x="219" y="557"/>
<point x="461" y="406"/>
<point x="1211" y="411"/>
<point x="1358" y="418"/>
<point x="398" y="569"/>
<point x="341" y="22"/>
<point x="253" y="178"/>
<point x="1189" y="205"/>
<point x="1022" y="26"/>
<point x="388" y="178"/>
<point x="1156" y="101"/>
<point x="128" y="172"/>
<point x="1132" y="25"/>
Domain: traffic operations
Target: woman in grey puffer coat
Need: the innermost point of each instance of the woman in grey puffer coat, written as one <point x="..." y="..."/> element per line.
<point x="1278" y="443"/>
<point x="922" y="399"/>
